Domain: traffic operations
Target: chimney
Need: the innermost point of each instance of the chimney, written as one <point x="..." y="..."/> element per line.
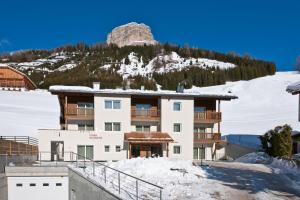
<point x="180" y="88"/>
<point x="142" y="87"/>
<point x="96" y="85"/>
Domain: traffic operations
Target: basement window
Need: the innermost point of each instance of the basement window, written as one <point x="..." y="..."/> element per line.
<point x="45" y="184"/>
<point x="32" y="184"/>
<point x="58" y="184"/>
<point x="19" y="184"/>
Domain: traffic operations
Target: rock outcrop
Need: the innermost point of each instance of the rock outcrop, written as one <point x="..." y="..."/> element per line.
<point x="131" y="34"/>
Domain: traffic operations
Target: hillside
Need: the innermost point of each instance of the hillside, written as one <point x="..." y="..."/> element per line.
<point x="263" y="103"/>
<point x="113" y="66"/>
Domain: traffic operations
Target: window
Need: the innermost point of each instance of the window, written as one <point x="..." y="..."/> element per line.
<point x="45" y="184"/>
<point x="200" y="109"/>
<point x="89" y="152"/>
<point x="176" y="149"/>
<point x="177" y="127"/>
<point x="32" y="184"/>
<point x="118" y="148"/>
<point x="106" y="148"/>
<point x="177" y="106"/>
<point x="112" y="126"/>
<point x="199" y="130"/>
<point x="85" y="151"/>
<point x="19" y="184"/>
<point x="112" y="104"/>
<point x="85" y="126"/>
<point x="108" y="126"/>
<point x="116" y="126"/>
<point x="58" y="184"/>
<point x="85" y="105"/>
<point x="142" y="128"/>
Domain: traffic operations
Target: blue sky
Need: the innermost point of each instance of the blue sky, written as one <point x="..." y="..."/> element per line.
<point x="267" y="30"/>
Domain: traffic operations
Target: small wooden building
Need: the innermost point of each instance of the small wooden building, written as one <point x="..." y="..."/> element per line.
<point x="12" y="79"/>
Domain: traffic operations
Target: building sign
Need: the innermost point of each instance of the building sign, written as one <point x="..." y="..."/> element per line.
<point x="94" y="136"/>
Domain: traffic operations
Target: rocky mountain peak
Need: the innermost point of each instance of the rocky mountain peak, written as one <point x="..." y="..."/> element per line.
<point x="131" y="34"/>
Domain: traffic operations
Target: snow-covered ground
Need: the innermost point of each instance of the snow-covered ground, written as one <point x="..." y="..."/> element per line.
<point x="22" y="113"/>
<point x="181" y="180"/>
<point x="263" y="104"/>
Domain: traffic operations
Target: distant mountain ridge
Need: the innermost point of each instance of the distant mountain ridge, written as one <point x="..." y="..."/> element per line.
<point x="160" y="65"/>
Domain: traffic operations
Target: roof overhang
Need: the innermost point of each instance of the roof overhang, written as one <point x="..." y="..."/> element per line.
<point x="147" y="137"/>
<point x="294" y="88"/>
<point x="129" y="92"/>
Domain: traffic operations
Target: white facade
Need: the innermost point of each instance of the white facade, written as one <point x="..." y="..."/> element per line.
<point x="184" y="117"/>
<point x="38" y="188"/>
<point x="110" y="145"/>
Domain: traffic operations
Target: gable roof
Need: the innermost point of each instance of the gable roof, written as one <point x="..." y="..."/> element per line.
<point x="22" y="74"/>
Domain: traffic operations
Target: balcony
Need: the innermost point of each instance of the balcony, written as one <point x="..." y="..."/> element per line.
<point x="207" y="117"/>
<point x="145" y="115"/>
<point x="206" y="137"/>
<point x="80" y="113"/>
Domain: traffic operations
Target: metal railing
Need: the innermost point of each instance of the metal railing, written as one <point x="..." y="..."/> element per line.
<point x="116" y="181"/>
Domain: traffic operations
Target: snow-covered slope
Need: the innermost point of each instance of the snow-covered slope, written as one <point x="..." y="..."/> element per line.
<point x="164" y="64"/>
<point x="22" y="113"/>
<point x="263" y="104"/>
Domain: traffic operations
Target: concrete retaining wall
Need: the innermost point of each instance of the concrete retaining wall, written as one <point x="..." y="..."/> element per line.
<point x="83" y="188"/>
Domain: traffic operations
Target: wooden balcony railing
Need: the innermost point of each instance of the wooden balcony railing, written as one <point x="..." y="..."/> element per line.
<point x="145" y="114"/>
<point x="80" y="112"/>
<point x="208" y="117"/>
<point x="206" y="137"/>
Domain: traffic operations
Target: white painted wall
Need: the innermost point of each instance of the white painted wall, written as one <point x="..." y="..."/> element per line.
<point x="38" y="192"/>
<point x="186" y="117"/>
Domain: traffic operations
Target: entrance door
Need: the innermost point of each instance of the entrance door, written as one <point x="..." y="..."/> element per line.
<point x="199" y="153"/>
<point x="135" y="151"/>
<point x="156" y="151"/>
<point x="57" y="150"/>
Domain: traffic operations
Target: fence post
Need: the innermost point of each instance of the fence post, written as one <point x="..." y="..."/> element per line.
<point x="160" y="194"/>
<point x="84" y="164"/>
<point x="119" y="182"/>
<point x="104" y="174"/>
<point x="137" y="189"/>
<point x="93" y="168"/>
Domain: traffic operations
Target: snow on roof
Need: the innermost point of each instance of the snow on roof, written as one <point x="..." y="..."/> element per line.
<point x="84" y="89"/>
<point x="294" y="88"/>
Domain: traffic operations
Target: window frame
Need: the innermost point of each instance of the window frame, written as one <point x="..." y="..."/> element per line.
<point x="180" y="127"/>
<point x="177" y="103"/>
<point x="118" y="146"/>
<point x="178" y="148"/>
<point x="113" y="126"/>
<point x="105" y="146"/>
<point x="112" y="102"/>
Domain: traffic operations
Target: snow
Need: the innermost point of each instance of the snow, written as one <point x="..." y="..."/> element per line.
<point x="262" y="104"/>
<point x="183" y="182"/>
<point x="168" y="63"/>
<point x="294" y="87"/>
<point x="66" y="67"/>
<point x="23" y="113"/>
<point x="70" y="88"/>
